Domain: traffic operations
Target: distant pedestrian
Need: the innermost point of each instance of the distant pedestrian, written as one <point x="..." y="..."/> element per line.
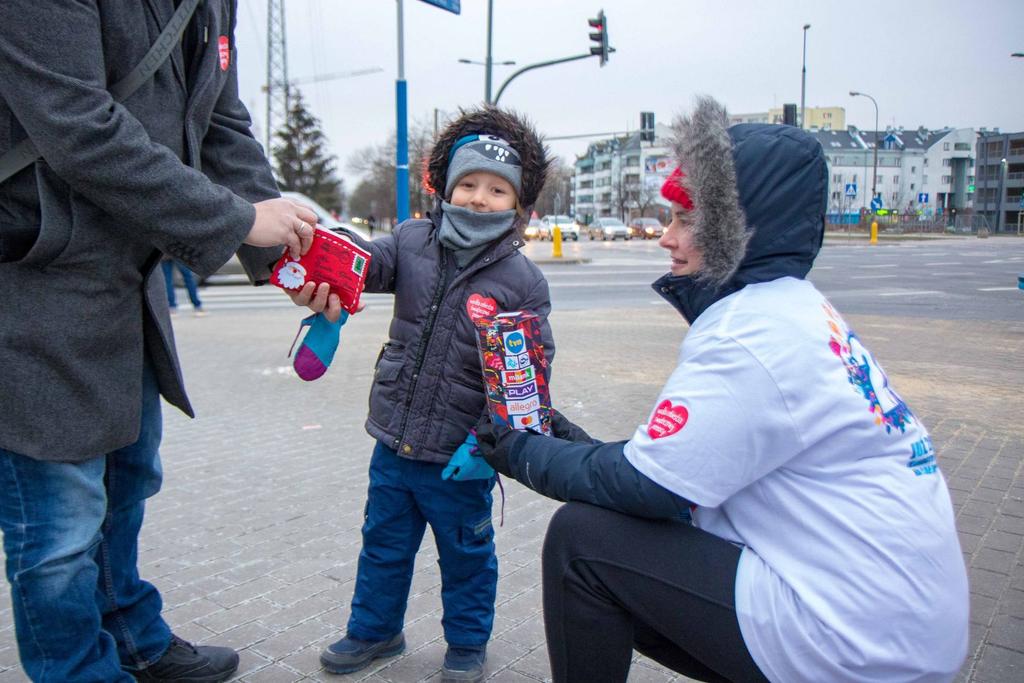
<point x="822" y="545"/>
<point x="487" y="167"/>
<point x="371" y="223"/>
<point x="169" y="264"/>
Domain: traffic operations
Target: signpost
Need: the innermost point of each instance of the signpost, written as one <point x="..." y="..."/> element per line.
<point x="851" y="190"/>
<point x="452" y="6"/>
<point x="922" y="197"/>
<point x="876" y="203"/>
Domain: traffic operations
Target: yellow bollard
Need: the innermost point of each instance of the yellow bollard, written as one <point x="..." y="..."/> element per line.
<point x="874" y="232"/>
<point x="556" y="242"/>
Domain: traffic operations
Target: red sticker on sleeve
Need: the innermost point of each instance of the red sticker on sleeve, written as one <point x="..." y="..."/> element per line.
<point x="224" y="51"/>
<point x="478" y="306"/>
<point x="667" y="420"/>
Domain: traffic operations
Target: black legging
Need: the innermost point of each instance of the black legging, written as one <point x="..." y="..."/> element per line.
<point x="613" y="583"/>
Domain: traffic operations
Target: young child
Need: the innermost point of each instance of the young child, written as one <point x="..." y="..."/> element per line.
<point x="489" y="165"/>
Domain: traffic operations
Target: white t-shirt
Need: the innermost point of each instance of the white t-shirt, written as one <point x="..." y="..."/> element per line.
<point x="783" y="430"/>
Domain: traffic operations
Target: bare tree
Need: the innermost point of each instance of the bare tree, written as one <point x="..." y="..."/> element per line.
<point x="555" y="197"/>
<point x="375" y="193"/>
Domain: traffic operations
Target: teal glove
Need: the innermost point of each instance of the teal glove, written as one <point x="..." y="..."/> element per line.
<point x="466" y="464"/>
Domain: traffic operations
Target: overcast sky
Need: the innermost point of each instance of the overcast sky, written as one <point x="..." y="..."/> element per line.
<point x="927" y="62"/>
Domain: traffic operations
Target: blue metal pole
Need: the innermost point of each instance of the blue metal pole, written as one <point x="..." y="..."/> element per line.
<point x="402" y="146"/>
<point x="402" y="155"/>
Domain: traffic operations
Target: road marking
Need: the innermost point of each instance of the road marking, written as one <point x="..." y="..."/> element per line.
<point x="619" y="283"/>
<point x="945" y="263"/>
<point x="823" y="267"/>
<point x="871" y="277"/>
<point x="997" y="289"/>
<point x="923" y="291"/>
<point x="882" y="265"/>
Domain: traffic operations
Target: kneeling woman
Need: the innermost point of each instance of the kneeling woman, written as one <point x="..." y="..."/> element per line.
<point x="822" y="545"/>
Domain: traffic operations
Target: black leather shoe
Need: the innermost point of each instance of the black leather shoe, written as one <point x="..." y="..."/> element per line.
<point x="186" y="663"/>
<point x="348" y="654"/>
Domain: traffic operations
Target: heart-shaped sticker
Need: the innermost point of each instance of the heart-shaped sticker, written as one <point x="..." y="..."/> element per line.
<point x="478" y="306"/>
<point x="667" y="420"/>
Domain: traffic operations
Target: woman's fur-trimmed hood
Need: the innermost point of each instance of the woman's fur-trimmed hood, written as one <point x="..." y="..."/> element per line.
<point x="760" y="193"/>
<point x="506" y="124"/>
<point x="704" y="152"/>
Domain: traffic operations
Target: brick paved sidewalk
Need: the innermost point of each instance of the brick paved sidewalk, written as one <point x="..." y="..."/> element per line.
<point x="254" y="539"/>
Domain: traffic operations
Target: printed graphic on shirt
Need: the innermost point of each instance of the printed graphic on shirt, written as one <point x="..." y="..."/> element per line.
<point x="667" y="420"/>
<point x="922" y="457"/>
<point x="866" y="376"/>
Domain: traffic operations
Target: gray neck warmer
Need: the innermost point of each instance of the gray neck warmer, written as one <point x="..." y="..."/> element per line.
<point x="468" y="232"/>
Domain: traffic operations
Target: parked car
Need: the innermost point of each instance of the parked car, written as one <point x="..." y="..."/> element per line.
<point x="568" y="227"/>
<point x="646" y="228"/>
<point x="608" y="229"/>
<point x="532" y="230"/>
<point x="324" y="217"/>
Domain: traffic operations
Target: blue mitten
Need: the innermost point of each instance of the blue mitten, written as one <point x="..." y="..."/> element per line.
<point x="465" y="464"/>
<point x="318" y="346"/>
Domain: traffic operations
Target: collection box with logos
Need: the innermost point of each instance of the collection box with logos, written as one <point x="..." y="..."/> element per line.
<point x="515" y="370"/>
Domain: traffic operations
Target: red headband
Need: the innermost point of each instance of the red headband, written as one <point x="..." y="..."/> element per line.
<point x="673" y="190"/>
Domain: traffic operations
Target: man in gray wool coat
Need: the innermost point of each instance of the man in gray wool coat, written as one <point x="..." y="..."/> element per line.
<point x="86" y="346"/>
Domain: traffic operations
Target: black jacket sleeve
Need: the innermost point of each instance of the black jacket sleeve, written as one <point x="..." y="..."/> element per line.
<point x="596" y="473"/>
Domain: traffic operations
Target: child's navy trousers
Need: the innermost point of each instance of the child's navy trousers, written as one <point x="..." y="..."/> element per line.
<point x="404" y="496"/>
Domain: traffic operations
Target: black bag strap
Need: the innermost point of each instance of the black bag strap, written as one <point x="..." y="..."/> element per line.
<point x="24" y="153"/>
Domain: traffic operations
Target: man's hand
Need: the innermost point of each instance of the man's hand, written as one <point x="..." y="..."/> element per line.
<point x="493" y="444"/>
<point x="280" y="221"/>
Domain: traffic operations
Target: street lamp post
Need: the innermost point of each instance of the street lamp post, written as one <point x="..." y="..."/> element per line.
<point x="487" y="78"/>
<point x="1000" y="214"/>
<point x="874" y="169"/>
<point x="803" y="80"/>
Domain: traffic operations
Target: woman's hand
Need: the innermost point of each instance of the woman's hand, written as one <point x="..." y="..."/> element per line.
<point x="318" y="298"/>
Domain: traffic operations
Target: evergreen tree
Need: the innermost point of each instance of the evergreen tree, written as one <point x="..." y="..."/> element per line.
<point x="303" y="164"/>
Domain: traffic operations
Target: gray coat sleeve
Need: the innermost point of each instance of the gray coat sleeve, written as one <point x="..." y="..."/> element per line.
<point x="54" y="81"/>
<point x="233" y="158"/>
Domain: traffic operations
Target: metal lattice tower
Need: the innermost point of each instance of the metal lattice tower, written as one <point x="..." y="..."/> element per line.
<point x="277" y="71"/>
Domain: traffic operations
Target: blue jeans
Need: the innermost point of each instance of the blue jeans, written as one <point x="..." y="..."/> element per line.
<point x="186" y="276"/>
<point x="404" y="496"/>
<point x="70" y="538"/>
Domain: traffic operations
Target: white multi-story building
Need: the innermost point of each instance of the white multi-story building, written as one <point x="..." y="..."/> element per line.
<point x="622" y="177"/>
<point x="918" y="171"/>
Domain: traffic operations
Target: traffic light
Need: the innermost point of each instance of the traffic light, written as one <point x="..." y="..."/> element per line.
<point x="600" y="36"/>
<point x="647" y="126"/>
<point x="789" y="114"/>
